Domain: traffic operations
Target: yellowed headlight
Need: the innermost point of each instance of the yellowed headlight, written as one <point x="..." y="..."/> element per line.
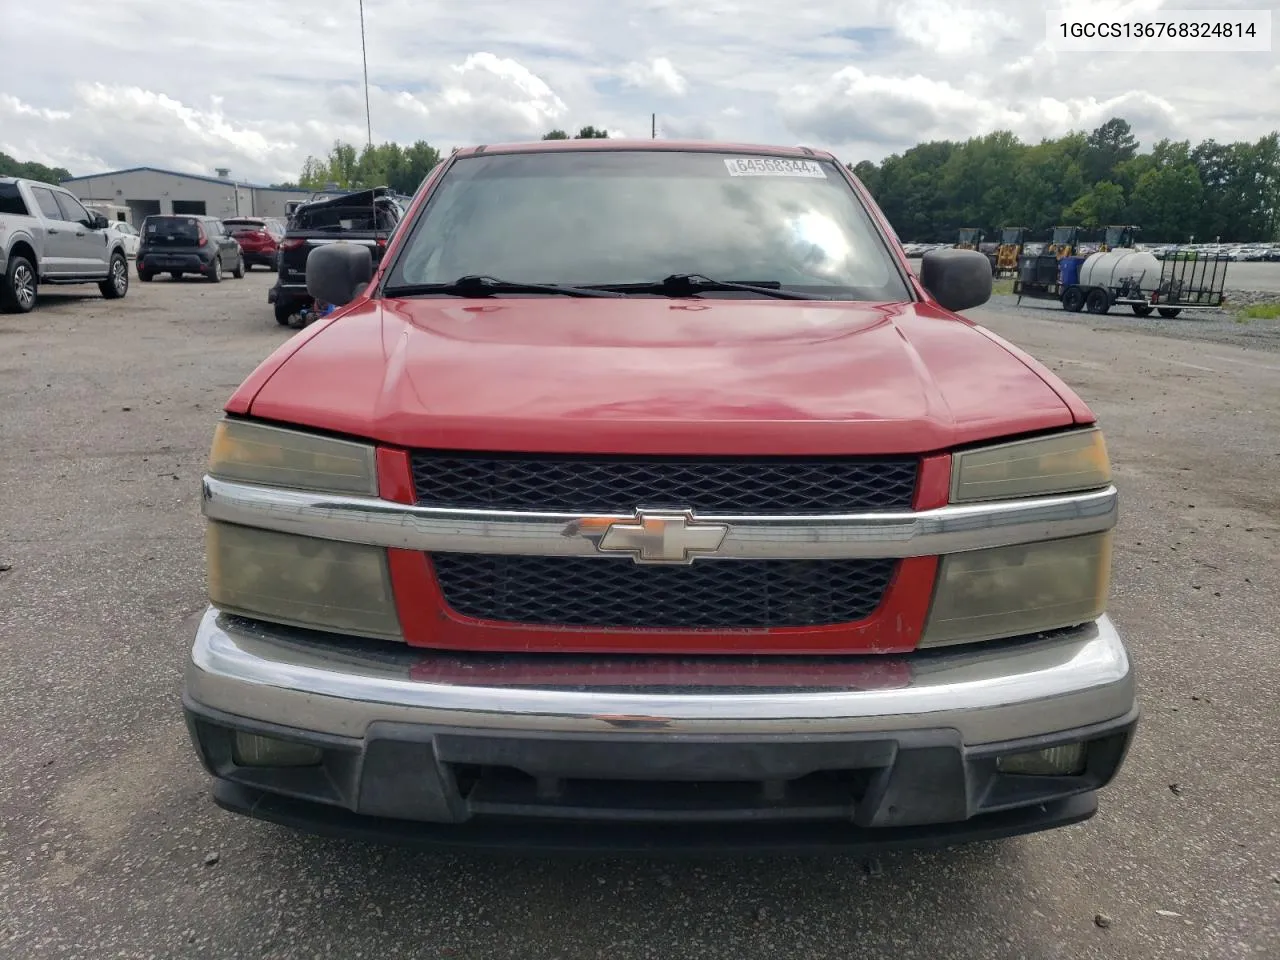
<point x="301" y="581"/>
<point x="1061" y="463"/>
<point x="275" y="456"/>
<point x="1018" y="590"/>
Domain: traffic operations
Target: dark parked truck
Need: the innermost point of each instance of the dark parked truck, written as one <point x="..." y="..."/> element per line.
<point x="367" y="219"/>
<point x="643" y="496"/>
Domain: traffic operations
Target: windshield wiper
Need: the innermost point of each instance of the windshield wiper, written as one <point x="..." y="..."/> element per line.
<point x="691" y="284"/>
<point x="473" y="285"/>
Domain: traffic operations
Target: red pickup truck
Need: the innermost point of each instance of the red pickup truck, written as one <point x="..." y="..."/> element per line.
<point x="772" y="551"/>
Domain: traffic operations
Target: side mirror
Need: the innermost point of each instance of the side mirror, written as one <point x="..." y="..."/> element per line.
<point x="337" y="272"/>
<point x="957" y="279"/>
<point x="98" y="222"/>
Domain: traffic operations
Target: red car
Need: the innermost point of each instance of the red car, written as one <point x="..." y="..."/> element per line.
<point x="641" y="497"/>
<point x="259" y="238"/>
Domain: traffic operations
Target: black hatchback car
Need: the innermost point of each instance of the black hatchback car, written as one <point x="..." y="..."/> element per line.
<point x="181" y="243"/>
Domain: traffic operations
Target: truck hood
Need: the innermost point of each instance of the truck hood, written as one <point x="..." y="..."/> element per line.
<point x="654" y="376"/>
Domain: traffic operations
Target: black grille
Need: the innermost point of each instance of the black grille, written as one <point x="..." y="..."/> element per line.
<point x="708" y="485"/>
<point x="599" y="592"/>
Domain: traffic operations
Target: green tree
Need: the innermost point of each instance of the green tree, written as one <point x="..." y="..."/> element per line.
<point x="419" y="160"/>
<point x="1101" y="204"/>
<point x="868" y="173"/>
<point x="385" y="165"/>
<point x="315" y="172"/>
<point x="1166" y="201"/>
<point x="584" y="133"/>
<point x="1049" y="178"/>
<point x="910" y="193"/>
<point x="977" y="181"/>
<point x="30" y="170"/>
<point x="342" y="164"/>
<point x="1107" y="147"/>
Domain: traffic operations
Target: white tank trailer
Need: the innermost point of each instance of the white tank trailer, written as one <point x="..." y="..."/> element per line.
<point x="1113" y="268"/>
<point x="1138" y="280"/>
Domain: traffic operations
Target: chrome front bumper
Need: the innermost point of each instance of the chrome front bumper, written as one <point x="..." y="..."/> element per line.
<point x="988" y="693"/>
<point x="518" y="752"/>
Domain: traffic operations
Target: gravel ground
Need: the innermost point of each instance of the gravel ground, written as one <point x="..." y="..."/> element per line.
<point x="110" y="846"/>
<point x="1208" y="326"/>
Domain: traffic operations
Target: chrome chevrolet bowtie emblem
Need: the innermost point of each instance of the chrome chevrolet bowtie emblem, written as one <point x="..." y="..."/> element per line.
<point x="658" y="537"/>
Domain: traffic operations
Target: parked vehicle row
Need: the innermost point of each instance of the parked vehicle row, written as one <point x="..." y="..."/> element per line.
<point x="1236" y="252"/>
<point x="206" y="246"/>
<point x="48" y="236"/>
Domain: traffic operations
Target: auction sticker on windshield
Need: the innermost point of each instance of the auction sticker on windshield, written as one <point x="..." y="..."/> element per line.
<point x="773" y="167"/>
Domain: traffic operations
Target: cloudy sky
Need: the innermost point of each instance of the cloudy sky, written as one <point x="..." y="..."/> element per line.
<point x="256" y="85"/>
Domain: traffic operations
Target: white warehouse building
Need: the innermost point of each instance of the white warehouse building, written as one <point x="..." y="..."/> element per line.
<point x="139" y="192"/>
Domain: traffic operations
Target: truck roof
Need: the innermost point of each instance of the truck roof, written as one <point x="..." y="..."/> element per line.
<point x="708" y="146"/>
<point x="39" y="183"/>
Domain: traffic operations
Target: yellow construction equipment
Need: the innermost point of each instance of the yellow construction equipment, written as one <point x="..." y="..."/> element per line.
<point x="1064" y="242"/>
<point x="970" y="237"/>
<point x="1119" y="237"/>
<point x="1010" y="249"/>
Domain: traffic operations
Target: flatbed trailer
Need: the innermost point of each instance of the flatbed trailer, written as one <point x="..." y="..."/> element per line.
<point x="1146" y="285"/>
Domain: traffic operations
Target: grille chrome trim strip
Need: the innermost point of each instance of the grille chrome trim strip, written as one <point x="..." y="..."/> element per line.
<point x="951" y="529"/>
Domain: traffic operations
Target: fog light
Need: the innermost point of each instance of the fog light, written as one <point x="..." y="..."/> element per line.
<point x="1064" y="761"/>
<point x="252" y="750"/>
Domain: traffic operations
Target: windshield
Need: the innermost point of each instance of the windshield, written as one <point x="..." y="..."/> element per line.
<point x="638" y="216"/>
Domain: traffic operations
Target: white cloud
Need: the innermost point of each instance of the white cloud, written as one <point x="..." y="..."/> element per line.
<point x="144" y="83"/>
<point x="948" y="27"/>
<point x="852" y="105"/>
<point x="14" y="107"/>
<point x="500" y="94"/>
<point x="660" y="75"/>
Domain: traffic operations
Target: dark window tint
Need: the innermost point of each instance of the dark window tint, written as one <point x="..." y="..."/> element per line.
<point x="71" y="208"/>
<point x="237" y="227"/>
<point x="48" y="204"/>
<point x="11" y="201"/>
<point x="340" y="218"/>
<point x="171" y="231"/>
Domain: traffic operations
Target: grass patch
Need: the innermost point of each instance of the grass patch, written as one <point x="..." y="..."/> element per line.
<point x="1258" y="311"/>
<point x="1004" y="287"/>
